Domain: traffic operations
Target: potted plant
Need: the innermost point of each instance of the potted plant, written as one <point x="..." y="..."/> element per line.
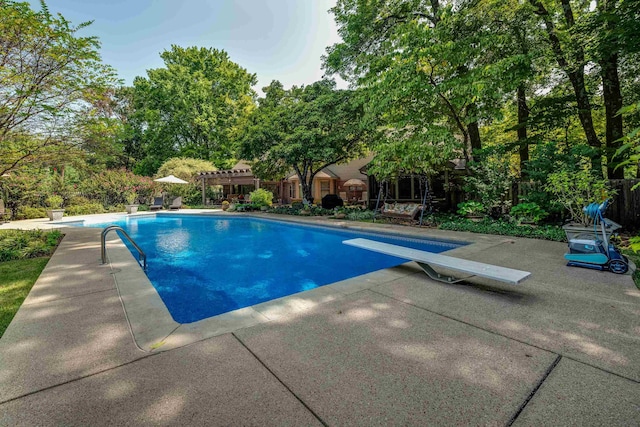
<point x="575" y="190"/>
<point x="471" y="209"/>
<point x="528" y="213"/>
<point x="131" y="197"/>
<point x="225" y="205"/>
<point x="340" y="213"/>
<point x="55" y="211"/>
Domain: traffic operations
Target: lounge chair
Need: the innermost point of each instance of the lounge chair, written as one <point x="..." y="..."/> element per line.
<point x="176" y="204"/>
<point x="428" y="259"/>
<point x="157" y="204"/>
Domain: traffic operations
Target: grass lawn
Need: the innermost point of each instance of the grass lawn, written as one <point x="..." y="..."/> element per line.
<point x="16" y="279"/>
<point x="635" y="257"/>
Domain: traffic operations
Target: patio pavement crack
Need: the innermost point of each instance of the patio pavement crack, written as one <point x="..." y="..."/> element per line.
<point x="80" y="378"/>
<point x="534" y="391"/>
<point x="281" y="382"/>
<point x="504" y="336"/>
<point x="68" y="297"/>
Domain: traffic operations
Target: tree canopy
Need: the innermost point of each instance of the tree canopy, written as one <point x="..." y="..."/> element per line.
<point x="467" y="66"/>
<point x="304" y="129"/>
<point x="48" y="77"/>
<point x="193" y="107"/>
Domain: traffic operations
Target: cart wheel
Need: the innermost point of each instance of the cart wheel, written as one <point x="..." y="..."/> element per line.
<point x="618" y="266"/>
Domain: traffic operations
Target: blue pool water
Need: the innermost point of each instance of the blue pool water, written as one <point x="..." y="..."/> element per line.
<point x="203" y="266"/>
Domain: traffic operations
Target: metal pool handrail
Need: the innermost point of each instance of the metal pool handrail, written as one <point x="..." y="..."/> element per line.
<point x="103" y="244"/>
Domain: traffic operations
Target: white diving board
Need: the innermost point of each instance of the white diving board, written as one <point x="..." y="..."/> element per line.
<point x="428" y="259"/>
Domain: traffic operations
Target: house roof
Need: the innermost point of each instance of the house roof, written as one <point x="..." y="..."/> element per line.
<point x="324" y="173"/>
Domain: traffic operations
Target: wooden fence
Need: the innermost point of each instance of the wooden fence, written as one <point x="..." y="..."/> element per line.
<point x="624" y="208"/>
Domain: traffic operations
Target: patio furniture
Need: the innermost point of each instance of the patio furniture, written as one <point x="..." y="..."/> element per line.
<point x="176" y="204"/>
<point x="428" y="259"/>
<point x="400" y="210"/>
<point x="157" y="204"/>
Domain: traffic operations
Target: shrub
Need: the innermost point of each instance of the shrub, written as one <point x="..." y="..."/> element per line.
<point x="19" y="244"/>
<point x="489" y="226"/>
<point x="261" y="197"/>
<point x="26" y="212"/>
<point x="577" y="189"/>
<point x="111" y="186"/>
<point x="470" y="208"/>
<point x="54" y="202"/>
<point x="530" y="212"/>
<point x="359" y="215"/>
<point x="490" y="181"/>
<point x="85" y="209"/>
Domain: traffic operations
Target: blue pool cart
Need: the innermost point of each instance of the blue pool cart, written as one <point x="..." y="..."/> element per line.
<point x="596" y="251"/>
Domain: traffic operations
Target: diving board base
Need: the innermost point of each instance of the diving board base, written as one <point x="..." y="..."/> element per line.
<point x="441" y="277"/>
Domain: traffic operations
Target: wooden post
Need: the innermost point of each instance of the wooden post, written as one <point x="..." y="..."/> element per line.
<point x="203" y="190"/>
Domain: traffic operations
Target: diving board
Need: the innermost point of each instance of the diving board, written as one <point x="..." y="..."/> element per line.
<point x="428" y="259"/>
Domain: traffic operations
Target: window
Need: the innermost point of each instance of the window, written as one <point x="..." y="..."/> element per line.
<point x="324" y="188"/>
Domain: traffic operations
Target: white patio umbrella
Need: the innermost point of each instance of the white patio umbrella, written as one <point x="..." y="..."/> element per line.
<point x="354" y="182"/>
<point x="171" y="180"/>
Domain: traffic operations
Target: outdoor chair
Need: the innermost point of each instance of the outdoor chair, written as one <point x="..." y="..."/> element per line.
<point x="176" y="204"/>
<point x="157" y="204"/>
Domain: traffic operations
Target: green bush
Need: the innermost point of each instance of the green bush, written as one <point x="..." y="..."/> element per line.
<point x="113" y="185"/>
<point x="85" y="209"/>
<point x="19" y="244"/>
<point x="470" y="208"/>
<point x="359" y="215"/>
<point x="26" y="212"/>
<point x="54" y="201"/>
<point x="529" y="212"/>
<point x="261" y="197"/>
<point x="576" y="189"/>
<point x="489" y="226"/>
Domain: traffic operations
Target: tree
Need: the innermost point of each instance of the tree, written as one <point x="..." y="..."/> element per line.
<point x="304" y="129"/>
<point x="193" y="107"/>
<point x="46" y="74"/>
<point x="186" y="169"/>
<point x="424" y="63"/>
<point x="582" y="36"/>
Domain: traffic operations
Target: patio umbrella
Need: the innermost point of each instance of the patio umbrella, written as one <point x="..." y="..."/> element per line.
<point x="354" y="182"/>
<point x="171" y="180"/>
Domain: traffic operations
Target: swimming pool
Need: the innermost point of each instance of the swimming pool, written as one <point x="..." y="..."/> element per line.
<point x="203" y="265"/>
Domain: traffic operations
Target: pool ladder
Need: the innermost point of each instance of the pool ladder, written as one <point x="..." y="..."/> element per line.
<point x="103" y="245"/>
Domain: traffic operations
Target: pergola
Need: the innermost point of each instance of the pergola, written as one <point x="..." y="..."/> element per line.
<point x="228" y="177"/>
<point x="231" y="177"/>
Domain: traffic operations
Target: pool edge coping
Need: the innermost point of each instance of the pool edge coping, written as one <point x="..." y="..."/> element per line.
<point x="153" y="328"/>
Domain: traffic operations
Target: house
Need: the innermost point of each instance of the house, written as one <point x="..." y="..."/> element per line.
<point x="239" y="180"/>
<point x="348" y="180"/>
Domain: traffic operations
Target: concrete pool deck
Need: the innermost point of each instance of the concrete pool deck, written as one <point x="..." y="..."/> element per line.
<point x="390" y="347"/>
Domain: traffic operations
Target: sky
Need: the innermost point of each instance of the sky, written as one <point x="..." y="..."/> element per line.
<point x="275" y="39"/>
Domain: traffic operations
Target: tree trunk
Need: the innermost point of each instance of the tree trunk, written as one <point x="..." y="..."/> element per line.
<point x="306" y="190"/>
<point x="575" y="72"/>
<point x="473" y="128"/>
<point x="523" y="117"/>
<point x="474" y="136"/>
<point x="612" y="104"/>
